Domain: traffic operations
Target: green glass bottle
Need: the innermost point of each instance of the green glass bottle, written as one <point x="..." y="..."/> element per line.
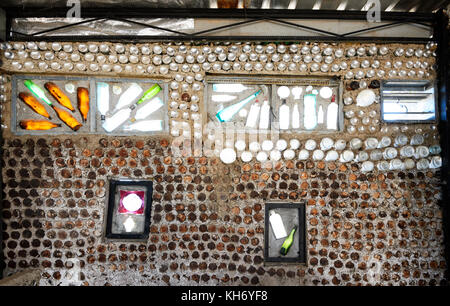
<point x="153" y="91"/>
<point x="288" y="242"/>
<point x="37" y="91"/>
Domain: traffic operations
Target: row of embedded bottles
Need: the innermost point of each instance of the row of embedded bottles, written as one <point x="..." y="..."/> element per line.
<point x="121" y="113"/>
<point x="287" y="117"/>
<point x="311" y="117"/>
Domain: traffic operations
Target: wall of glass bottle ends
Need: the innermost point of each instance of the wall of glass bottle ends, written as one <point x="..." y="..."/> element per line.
<point x="288" y="104"/>
<point x="87" y="105"/>
<point x="363" y="138"/>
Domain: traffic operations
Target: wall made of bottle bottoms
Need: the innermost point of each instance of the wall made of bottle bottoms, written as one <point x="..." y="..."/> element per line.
<point x="363" y="227"/>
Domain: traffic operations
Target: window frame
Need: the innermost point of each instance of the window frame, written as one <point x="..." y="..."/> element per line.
<point x="113" y="183"/>
<point x="272" y="81"/>
<point x="302" y="230"/>
<point x="382" y="96"/>
<point x="93" y="120"/>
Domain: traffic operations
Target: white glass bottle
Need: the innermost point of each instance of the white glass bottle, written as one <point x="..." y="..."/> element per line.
<point x="252" y="117"/>
<point x="401" y="140"/>
<point x="284" y="116"/>
<point x="102" y="99"/>
<point x="129" y="96"/>
<point x="149" y="108"/>
<point x="423" y="164"/>
<point x="264" y="115"/>
<point x="296" y="92"/>
<point x="295" y="117"/>
<point x="110" y="124"/>
<point x="332" y="114"/>
<point x="320" y="115"/>
<point x="384" y="142"/>
<point x="229" y="87"/>
<point x="436" y="162"/>
<point x="277" y="225"/>
<point x="309" y="112"/>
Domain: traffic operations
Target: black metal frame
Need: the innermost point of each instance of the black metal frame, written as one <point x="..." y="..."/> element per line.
<point x="2" y="260"/>
<point x="249" y="16"/>
<point x="113" y="184"/>
<point x="301" y="230"/>
<point x="442" y="35"/>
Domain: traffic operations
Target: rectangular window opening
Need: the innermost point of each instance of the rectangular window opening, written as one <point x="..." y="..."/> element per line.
<point x="128" y="210"/>
<point x="43" y="105"/>
<point x="408" y="101"/>
<point x="285" y="233"/>
<point x="292" y="104"/>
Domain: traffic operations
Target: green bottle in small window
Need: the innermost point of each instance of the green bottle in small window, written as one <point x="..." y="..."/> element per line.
<point x="288" y="242"/>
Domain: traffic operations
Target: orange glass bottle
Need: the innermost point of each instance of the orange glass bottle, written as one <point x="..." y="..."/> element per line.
<point x="67" y="118"/>
<point x="83" y="102"/>
<point x="37" y="125"/>
<point x="34" y="104"/>
<point x="59" y="95"/>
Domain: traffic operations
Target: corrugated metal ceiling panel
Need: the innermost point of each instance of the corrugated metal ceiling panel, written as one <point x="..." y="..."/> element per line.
<point x="393" y="5"/>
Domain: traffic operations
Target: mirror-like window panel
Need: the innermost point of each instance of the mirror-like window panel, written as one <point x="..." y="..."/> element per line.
<point x="408" y="101"/>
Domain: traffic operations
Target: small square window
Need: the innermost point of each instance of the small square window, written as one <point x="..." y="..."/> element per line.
<point x="408" y="101"/>
<point x="128" y="210"/>
<point x="285" y="234"/>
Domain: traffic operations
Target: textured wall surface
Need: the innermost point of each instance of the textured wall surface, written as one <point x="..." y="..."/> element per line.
<point x="208" y="218"/>
<point x="378" y="228"/>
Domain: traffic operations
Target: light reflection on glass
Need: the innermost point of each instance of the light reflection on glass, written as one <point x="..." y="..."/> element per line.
<point x="129" y="224"/>
<point x="309" y="113"/>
